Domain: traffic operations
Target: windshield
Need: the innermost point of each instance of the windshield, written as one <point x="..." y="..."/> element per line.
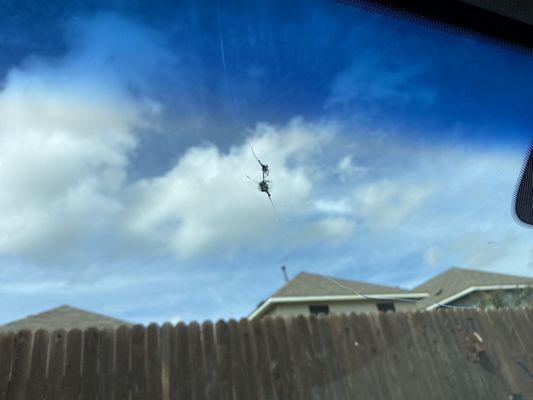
<point x="161" y="162"/>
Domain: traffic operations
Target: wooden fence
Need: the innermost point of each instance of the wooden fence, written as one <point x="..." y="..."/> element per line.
<point x="432" y="355"/>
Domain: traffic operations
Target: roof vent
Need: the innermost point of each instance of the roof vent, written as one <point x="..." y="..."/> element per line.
<point x="285" y="275"/>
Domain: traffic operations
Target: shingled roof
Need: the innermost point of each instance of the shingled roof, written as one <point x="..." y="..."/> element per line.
<point x="307" y="284"/>
<point x="313" y="287"/>
<point x="63" y="317"/>
<point x="456" y="280"/>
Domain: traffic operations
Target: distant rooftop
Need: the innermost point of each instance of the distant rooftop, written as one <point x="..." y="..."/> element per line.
<point x="307" y="284"/>
<point x="456" y="280"/>
<point x="63" y="317"/>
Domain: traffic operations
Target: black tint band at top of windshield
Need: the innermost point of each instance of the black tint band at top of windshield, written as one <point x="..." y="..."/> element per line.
<point x="481" y="23"/>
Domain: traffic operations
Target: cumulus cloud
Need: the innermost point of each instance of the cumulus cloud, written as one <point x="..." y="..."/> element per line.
<point x="338" y="228"/>
<point x="347" y="169"/>
<point x="432" y="256"/>
<point x="331" y="206"/>
<point x="386" y="204"/>
<point x="205" y="203"/>
<point x="67" y="128"/>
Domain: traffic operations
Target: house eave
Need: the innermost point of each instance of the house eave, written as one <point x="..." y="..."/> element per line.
<point x="332" y="298"/>
<point x="472" y="289"/>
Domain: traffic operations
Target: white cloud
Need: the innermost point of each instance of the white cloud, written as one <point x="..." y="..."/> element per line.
<point x="330" y="206"/>
<point x="206" y="203"/>
<point x="63" y="155"/>
<point x="432" y="256"/>
<point x="337" y="228"/>
<point x="347" y="169"/>
<point x="386" y="204"/>
<point x="67" y="129"/>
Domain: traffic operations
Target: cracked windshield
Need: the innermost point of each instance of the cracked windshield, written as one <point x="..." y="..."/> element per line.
<point x="260" y="200"/>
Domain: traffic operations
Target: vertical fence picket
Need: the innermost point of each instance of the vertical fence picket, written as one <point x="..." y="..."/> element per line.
<point x="183" y="372"/>
<point x="423" y="337"/>
<point x="21" y="364"/>
<point x="362" y="353"/>
<point x="319" y="365"/>
<point x="166" y="333"/>
<point x="263" y="366"/>
<point x="311" y="360"/>
<point x="381" y="365"/>
<point x="484" y="379"/>
<point x="72" y="382"/>
<point x="224" y="360"/>
<point x="341" y="356"/>
<point x="89" y="370"/>
<point x="448" y="355"/>
<point x="301" y="361"/>
<point x="153" y="363"/>
<point x="172" y="364"/>
<point x="106" y="360"/>
<point x="197" y="367"/>
<point x="334" y="374"/>
<point x="122" y="363"/>
<point x="38" y="361"/>
<point x="250" y="362"/>
<point x="210" y="356"/>
<point x="277" y="374"/>
<point x="7" y="342"/>
<point x="238" y="377"/>
<point x="281" y="326"/>
<point x="407" y="366"/>
<point x="56" y="365"/>
<point x="138" y="363"/>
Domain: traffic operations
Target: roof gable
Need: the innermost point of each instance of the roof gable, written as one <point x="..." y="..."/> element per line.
<point x="63" y="317"/>
<point x="456" y="280"/>
<point x="307" y="284"/>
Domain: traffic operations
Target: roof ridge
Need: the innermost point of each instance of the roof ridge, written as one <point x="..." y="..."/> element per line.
<point x="311" y="283"/>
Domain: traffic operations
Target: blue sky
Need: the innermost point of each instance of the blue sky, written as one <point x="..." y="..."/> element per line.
<point x="394" y="154"/>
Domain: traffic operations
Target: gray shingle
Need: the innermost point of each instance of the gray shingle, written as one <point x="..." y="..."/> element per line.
<point x="306" y="284"/>
<point x="455" y="280"/>
<point x="63" y="317"/>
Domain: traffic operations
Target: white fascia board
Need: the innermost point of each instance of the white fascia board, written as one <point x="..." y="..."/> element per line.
<point x="307" y="299"/>
<point x="474" y="289"/>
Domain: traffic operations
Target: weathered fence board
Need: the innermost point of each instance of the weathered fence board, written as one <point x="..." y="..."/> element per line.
<point x="21" y="365"/>
<point x="89" y="371"/>
<point x="7" y="342"/>
<point x="183" y="371"/>
<point x="250" y="362"/>
<point x="224" y="360"/>
<point x="153" y="363"/>
<point x="122" y="363"/>
<point x="210" y="354"/>
<point x="384" y="356"/>
<point x="56" y="365"/>
<point x="72" y="382"/>
<point x="138" y="363"/>
<point x="197" y="367"/>
<point x="106" y="381"/>
<point x="237" y="363"/>
<point x="37" y="375"/>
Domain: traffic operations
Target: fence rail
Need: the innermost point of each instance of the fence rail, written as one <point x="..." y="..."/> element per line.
<point x="458" y="354"/>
